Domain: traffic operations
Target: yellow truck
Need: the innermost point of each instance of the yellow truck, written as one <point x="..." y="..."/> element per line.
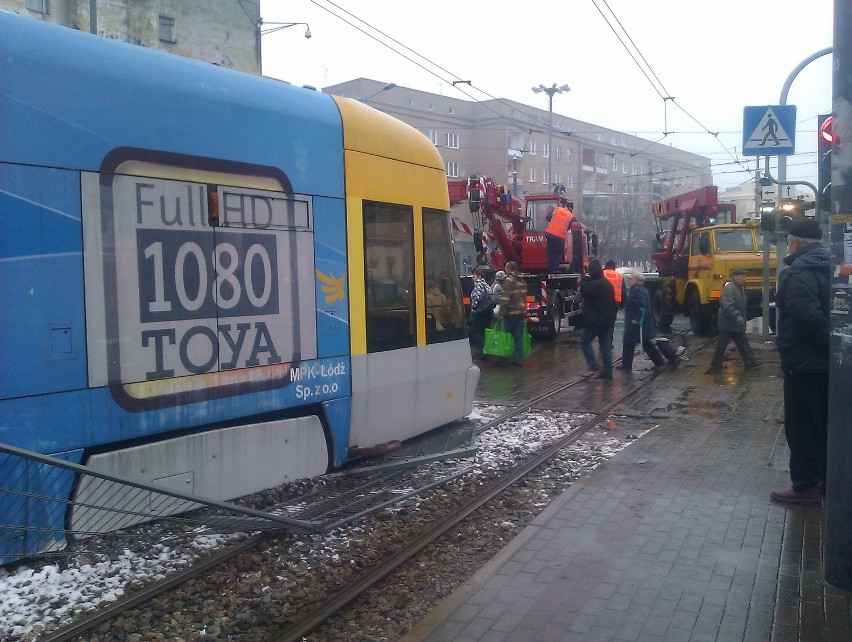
<point x="698" y="243"/>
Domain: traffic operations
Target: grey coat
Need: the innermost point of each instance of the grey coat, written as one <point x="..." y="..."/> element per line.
<point x="732" y="308"/>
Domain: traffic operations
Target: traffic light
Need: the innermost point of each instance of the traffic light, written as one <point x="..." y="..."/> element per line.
<point x="825" y="138"/>
<point x="790" y="211"/>
<point x="768" y="217"/>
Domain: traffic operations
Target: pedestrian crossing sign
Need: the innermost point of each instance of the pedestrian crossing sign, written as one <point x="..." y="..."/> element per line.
<point x="769" y="130"/>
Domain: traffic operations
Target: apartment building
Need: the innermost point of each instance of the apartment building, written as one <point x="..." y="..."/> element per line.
<point x="222" y="32"/>
<point x="611" y="176"/>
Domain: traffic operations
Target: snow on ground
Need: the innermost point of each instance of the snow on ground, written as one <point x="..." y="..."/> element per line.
<point x="31" y="598"/>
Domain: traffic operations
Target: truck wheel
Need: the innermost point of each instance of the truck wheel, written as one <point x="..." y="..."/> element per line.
<point x="700" y="317"/>
<point x="554" y="324"/>
<point x="662" y="317"/>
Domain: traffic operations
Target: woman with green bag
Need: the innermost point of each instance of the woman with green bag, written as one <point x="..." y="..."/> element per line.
<point x="513" y="310"/>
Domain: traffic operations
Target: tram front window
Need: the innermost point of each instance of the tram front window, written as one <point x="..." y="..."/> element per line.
<point x="389" y="270"/>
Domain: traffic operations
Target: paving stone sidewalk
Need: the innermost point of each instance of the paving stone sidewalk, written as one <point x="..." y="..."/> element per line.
<point x="674" y="538"/>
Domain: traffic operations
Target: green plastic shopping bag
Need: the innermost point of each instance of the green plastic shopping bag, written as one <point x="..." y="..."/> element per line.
<point x="498" y="342"/>
<point x="527" y="341"/>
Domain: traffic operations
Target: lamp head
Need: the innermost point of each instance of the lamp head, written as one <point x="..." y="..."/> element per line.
<point x="307" y="32"/>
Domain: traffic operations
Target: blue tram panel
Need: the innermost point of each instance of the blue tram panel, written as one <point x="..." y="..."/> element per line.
<point x="41" y="317"/>
<point x="173" y="249"/>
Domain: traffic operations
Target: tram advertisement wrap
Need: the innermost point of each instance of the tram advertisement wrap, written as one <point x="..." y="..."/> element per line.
<point x="173" y="289"/>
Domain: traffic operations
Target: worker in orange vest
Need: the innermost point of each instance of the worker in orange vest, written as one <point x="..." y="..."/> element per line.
<point x="616" y="278"/>
<point x="558" y="225"/>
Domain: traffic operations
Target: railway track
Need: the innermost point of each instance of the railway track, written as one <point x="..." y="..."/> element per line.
<point x="316" y="614"/>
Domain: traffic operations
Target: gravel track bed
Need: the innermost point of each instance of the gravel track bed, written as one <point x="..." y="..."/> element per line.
<point x="265" y="588"/>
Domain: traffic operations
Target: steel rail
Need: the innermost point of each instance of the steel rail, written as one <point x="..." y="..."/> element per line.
<point x="295" y="631"/>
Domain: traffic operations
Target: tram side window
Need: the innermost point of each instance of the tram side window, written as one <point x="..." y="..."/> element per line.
<point x="444" y="311"/>
<point x="389" y="270"/>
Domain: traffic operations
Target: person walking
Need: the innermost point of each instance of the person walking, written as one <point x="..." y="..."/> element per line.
<point x="616" y="278"/>
<point x="731" y="322"/>
<point x="512" y="308"/>
<point x="638" y="323"/>
<point x="599" y="312"/>
<point x="481" y="308"/>
<point x="802" y="301"/>
<point x="558" y="227"/>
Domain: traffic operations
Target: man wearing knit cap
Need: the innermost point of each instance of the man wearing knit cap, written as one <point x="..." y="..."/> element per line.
<point x="802" y="302"/>
<point x="731" y="322"/>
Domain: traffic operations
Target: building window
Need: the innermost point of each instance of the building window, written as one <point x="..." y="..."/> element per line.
<point x="569" y="155"/>
<point x="431" y="107"/>
<point x="433" y="136"/>
<point x="167" y="29"/>
<point x="557" y="178"/>
<point x="624" y="167"/>
<point x="39" y="6"/>
<point x="614" y="164"/>
<point x="452" y="140"/>
<point x="532" y="175"/>
<point x="452" y="169"/>
<point x="532" y="148"/>
<point x="544" y="177"/>
<point x="558" y="152"/>
<point x="545" y="150"/>
<point x="451" y="111"/>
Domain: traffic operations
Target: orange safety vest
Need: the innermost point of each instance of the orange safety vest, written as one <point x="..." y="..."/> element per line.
<point x="559" y="222"/>
<point x="615" y="278"/>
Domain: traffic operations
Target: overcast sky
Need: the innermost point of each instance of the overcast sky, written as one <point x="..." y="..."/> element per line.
<point x="713" y="58"/>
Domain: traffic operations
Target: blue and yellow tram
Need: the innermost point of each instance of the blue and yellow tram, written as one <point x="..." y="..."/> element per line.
<point x="210" y="277"/>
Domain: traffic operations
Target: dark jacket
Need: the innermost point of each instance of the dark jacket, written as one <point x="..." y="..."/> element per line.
<point x="732" y="308"/>
<point x="599" y="306"/>
<point x="802" y="302"/>
<point x="481" y="301"/>
<point x="638" y="300"/>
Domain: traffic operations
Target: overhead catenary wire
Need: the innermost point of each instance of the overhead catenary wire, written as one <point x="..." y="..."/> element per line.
<point x="446" y="76"/>
<point x="657" y="84"/>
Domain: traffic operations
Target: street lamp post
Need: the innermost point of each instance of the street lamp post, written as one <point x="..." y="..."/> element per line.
<point x="550" y="91"/>
<point x="278" y="26"/>
<point x="390" y="85"/>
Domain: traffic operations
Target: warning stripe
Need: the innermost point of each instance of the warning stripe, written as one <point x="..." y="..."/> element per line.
<point x="459" y="226"/>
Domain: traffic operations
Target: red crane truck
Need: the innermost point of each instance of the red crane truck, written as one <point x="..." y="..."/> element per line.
<point x="511" y="229"/>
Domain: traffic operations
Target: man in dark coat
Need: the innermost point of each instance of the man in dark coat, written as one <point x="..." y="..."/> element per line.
<point x="639" y="323"/>
<point x="599" y="312"/>
<point x="802" y="302"/>
<point x="731" y="322"/>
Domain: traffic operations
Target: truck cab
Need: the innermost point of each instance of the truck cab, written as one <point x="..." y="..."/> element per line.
<point x="696" y="253"/>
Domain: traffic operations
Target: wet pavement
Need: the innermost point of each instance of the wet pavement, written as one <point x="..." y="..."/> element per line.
<point x="674" y="538"/>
